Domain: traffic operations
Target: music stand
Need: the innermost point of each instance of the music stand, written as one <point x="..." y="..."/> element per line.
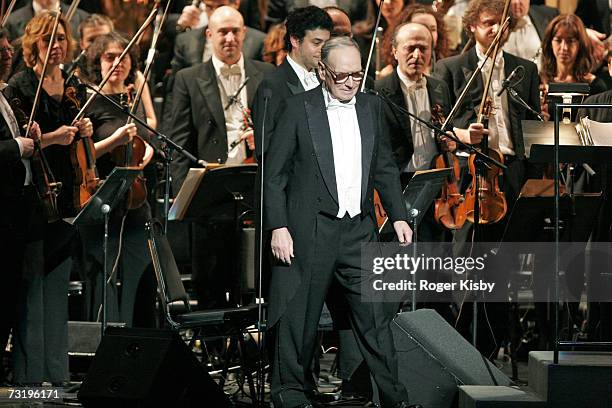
<point x="109" y="196"/>
<point x="421" y="191"/>
<point x="217" y="193"/>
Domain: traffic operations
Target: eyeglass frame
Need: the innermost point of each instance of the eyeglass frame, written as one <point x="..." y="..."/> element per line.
<point x="335" y="74"/>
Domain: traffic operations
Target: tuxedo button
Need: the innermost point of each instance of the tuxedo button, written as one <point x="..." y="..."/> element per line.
<point x="209" y="121"/>
<point x="215" y="140"/>
<point x="319" y="200"/>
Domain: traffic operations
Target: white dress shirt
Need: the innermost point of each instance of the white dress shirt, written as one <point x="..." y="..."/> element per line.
<point x="524" y="41"/>
<point x="234" y="115"/>
<point x="423" y="139"/>
<point x="308" y="79"/>
<point x="9" y="117"/>
<point x="346" y="144"/>
<point x="499" y="122"/>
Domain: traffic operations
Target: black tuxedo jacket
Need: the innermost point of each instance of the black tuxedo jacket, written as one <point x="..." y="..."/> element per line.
<point x="189" y="47"/>
<point x="595" y="14"/>
<point x="455" y="72"/>
<point x="19" y="18"/>
<point x="198" y="121"/>
<point x="300" y="180"/>
<point x="540" y="16"/>
<point x="13" y="174"/>
<point x="398" y="122"/>
<point x="281" y="84"/>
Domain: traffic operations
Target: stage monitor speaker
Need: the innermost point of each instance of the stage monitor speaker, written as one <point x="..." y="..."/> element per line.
<point x="142" y="368"/>
<point x="434" y="359"/>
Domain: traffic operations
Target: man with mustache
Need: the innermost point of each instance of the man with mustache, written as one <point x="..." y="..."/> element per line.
<point x="328" y="152"/>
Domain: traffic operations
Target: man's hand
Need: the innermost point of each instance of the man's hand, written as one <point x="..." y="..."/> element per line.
<point x="282" y="245"/>
<point x="598" y="50"/>
<point x="403" y="232"/>
<point x="190" y="17"/>
<point x="27" y="146"/>
<point x="250" y="138"/>
<point x="473" y="134"/>
<point x="448" y="145"/>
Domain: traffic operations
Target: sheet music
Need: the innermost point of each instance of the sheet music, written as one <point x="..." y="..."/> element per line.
<point x="601" y="133"/>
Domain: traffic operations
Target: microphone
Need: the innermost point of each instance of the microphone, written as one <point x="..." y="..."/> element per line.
<point x="73" y="65"/>
<point x="508" y="81"/>
<point x="232" y="99"/>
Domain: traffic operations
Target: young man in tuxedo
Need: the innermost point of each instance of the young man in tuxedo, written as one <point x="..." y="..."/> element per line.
<point x="328" y="153"/>
<point x="482" y="21"/>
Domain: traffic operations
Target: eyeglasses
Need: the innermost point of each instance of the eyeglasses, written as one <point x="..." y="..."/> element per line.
<point x="342" y="77"/>
<point x="7" y="50"/>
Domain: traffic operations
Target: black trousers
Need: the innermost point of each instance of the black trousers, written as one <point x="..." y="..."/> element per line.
<point x="337" y="256"/>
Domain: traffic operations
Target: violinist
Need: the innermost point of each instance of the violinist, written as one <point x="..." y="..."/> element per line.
<point x="41" y="341"/>
<point x="482" y="22"/>
<point x="204" y="123"/>
<point x="112" y="132"/>
<point x="18" y="202"/>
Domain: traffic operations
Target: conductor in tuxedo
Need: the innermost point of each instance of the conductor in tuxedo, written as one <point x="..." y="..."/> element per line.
<point x="19" y="202"/>
<point x="328" y="153"/>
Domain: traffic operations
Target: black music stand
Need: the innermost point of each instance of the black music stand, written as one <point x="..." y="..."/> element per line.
<point x="96" y="211"/>
<point x="421" y="191"/>
<point x="217" y="193"/>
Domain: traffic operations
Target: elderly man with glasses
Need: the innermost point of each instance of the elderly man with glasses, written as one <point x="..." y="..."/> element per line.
<point x="328" y="153"/>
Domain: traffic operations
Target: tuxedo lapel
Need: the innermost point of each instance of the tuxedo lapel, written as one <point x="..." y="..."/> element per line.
<point x="366" y="130"/>
<point x="292" y="80"/>
<point x="255" y="76"/>
<point x="435" y="94"/>
<point x="475" y="92"/>
<point x="318" y="125"/>
<point x="207" y="83"/>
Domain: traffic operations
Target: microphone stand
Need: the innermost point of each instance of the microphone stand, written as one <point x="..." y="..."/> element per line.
<point x="517" y="98"/>
<point x="441" y="132"/>
<point x="232" y="99"/>
<point x="261" y="374"/>
<point x="169" y="146"/>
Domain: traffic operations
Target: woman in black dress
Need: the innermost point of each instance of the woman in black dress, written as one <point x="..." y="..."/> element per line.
<point x="41" y="340"/>
<point x="112" y="133"/>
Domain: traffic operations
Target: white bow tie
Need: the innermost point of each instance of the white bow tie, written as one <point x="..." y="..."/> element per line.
<point x="336" y="104"/>
<point x="227" y="71"/>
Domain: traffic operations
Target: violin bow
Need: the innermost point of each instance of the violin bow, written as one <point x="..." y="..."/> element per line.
<point x="44" y="69"/>
<point x="141" y="30"/>
<point x="470" y="81"/>
<point x="372" y="45"/>
<point x="159" y="22"/>
<point x="487" y="84"/>
<point x="8" y="12"/>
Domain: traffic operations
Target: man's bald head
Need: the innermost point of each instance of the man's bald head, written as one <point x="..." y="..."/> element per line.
<point x="226" y="31"/>
<point x="412" y="47"/>
<point x="342" y="22"/>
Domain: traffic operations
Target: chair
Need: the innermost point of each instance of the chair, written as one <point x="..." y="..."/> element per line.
<point x="209" y="324"/>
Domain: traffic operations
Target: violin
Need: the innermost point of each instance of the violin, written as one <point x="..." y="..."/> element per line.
<point x="132" y="155"/>
<point x="491" y="200"/>
<point x="449" y="209"/>
<point x="47" y="187"/>
<point x="83" y="157"/>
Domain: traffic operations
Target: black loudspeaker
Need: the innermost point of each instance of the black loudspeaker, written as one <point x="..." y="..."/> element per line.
<point x="140" y="368"/>
<point x="434" y="360"/>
